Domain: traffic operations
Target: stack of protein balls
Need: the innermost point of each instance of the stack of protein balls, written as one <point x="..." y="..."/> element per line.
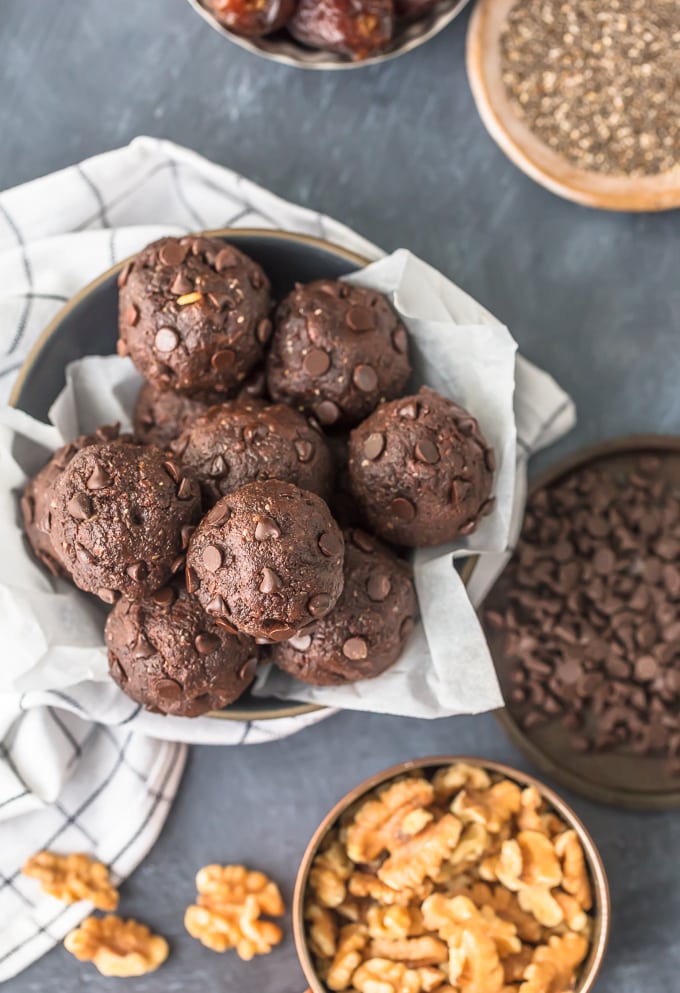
<point x="213" y="532"/>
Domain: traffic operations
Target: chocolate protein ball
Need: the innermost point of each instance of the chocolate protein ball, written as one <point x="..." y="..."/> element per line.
<point x="421" y="470"/>
<point x="267" y="559"/>
<point x="122" y="517"/>
<point x="357" y="28"/>
<point x="366" y="631"/>
<point x="193" y="314"/>
<point x="168" y="655"/>
<point x="161" y="415"/>
<point x="241" y="441"/>
<point x="251" y="17"/>
<point x="337" y="351"/>
<point x="36" y="511"/>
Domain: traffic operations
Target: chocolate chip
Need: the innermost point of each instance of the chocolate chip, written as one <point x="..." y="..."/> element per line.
<point x="400" y="341"/>
<point x="263" y="330"/>
<point x="163" y="597"/>
<point x="301" y="642"/>
<point x="131" y="315"/>
<point x="304" y="449"/>
<point x="123" y="275"/>
<point x="185" y="534"/>
<point x="222" y="623"/>
<point x="226" y="258"/>
<point x="362" y="541"/>
<point x="365" y="378"/>
<point x="138" y="571"/>
<point x="206" y="643"/>
<point x="378" y="587"/>
<point x="270" y="582"/>
<point x="278" y="631"/>
<point x="181" y="285"/>
<point x="468" y="527"/>
<point x="487" y="507"/>
<point x="247" y="670"/>
<point x="490" y="459"/>
<point x="374" y="445"/>
<point x="107" y="433"/>
<point x="467" y="425"/>
<point x="266" y="528"/>
<point x="319" y="605"/>
<point x="256" y="280"/>
<point x="255" y="432"/>
<point x="406" y="628"/>
<point x="359" y="318"/>
<point x="185" y="490"/>
<point x="177" y="563"/>
<point x="223" y="360"/>
<point x="211" y="558"/>
<point x="172" y="471"/>
<point x="403" y="510"/>
<point x="166" y="340"/>
<point x="355" y="649"/>
<point x="107" y="595"/>
<point x="327" y="412"/>
<point x="168" y="692"/>
<point x="80" y="507"/>
<point x="219" y="515"/>
<point x="426" y="451"/>
<point x="99" y="479"/>
<point x="409" y="410"/>
<point x="218" y="466"/>
<point x="122" y="349"/>
<point x="330" y="544"/>
<point x="217" y="604"/>
<point x="192" y="580"/>
<point x="645" y="668"/>
<point x="316" y="362"/>
<point x="173" y="253"/>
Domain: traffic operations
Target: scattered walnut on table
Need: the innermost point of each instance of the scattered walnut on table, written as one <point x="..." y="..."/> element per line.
<point x="231" y="900"/>
<point x="465" y="884"/>
<point x="73" y="877"/>
<point x="117" y="947"/>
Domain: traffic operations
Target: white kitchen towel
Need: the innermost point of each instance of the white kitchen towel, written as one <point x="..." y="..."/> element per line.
<point x="78" y="770"/>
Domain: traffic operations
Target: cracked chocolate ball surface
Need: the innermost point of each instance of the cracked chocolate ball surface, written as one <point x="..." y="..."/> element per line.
<point x="241" y="441"/>
<point x="121" y="517"/>
<point x="369" y="626"/>
<point x="421" y="470"/>
<point x="267" y="559"/>
<point x="193" y="315"/>
<point x="337" y="351"/>
<point x="168" y="655"/>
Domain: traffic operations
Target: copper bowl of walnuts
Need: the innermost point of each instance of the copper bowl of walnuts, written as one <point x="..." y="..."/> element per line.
<point x="451" y="874"/>
<point x="275" y="36"/>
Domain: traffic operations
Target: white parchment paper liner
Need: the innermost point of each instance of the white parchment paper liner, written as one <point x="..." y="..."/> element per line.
<point x="53" y="632"/>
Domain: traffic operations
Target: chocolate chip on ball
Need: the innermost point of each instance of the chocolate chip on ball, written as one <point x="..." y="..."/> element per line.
<point x="193" y="315"/>
<point x="120" y="514"/>
<point x="168" y="655"/>
<point x="337" y="350"/>
<point x="267" y="560"/>
<point x="368" y="628"/>
<point x="421" y="470"/>
<point x="242" y="441"/>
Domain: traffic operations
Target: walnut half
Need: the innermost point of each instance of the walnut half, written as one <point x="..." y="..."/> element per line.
<point x="117" y="947"/>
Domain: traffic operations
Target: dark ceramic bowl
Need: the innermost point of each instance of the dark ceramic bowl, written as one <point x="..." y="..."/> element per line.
<point x="88" y="325"/>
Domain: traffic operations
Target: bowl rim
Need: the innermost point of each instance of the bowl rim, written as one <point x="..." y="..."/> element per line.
<point x="330" y="65"/>
<point x="602" y="901"/>
<point x="661" y="444"/>
<point x="240" y="715"/>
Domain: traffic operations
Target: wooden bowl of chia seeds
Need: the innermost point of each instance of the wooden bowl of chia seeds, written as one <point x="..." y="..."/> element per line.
<point x="583" y="98"/>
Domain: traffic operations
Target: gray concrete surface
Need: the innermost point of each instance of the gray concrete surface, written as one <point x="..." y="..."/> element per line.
<point x="399" y="153"/>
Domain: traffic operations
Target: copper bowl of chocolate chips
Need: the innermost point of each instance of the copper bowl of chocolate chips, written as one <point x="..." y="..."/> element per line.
<point x="584" y="624"/>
